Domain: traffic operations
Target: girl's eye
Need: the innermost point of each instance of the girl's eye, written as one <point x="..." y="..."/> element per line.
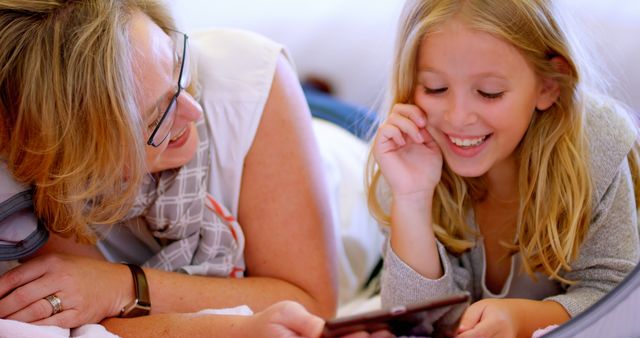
<point x="490" y="95"/>
<point x="428" y="90"/>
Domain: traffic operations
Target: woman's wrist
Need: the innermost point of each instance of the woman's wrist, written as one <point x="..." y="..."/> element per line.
<point x="126" y="290"/>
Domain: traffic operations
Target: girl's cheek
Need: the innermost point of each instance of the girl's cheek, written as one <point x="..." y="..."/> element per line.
<point x="432" y="107"/>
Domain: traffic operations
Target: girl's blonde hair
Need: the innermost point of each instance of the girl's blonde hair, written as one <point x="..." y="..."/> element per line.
<point x="70" y="124"/>
<point x="554" y="174"/>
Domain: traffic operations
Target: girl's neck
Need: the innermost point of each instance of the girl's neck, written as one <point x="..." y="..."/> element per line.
<point x="502" y="182"/>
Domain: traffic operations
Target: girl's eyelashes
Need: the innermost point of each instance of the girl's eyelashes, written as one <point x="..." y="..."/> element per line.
<point x="490" y="95"/>
<point x="441" y="90"/>
<point x="428" y="90"/>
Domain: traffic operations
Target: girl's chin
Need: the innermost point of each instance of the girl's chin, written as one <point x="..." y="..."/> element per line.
<point x="466" y="168"/>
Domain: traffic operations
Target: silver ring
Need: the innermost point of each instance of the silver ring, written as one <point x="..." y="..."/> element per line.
<point x="55" y="302"/>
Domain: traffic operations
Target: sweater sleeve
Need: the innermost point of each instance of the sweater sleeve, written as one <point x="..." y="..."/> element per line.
<point x="610" y="250"/>
<point x="403" y="285"/>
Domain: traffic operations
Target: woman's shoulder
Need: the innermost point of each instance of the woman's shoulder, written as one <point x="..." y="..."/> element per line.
<point x="233" y="40"/>
<point x="610" y="132"/>
<point x="235" y="64"/>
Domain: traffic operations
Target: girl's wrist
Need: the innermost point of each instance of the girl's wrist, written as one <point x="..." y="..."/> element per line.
<point x="417" y="198"/>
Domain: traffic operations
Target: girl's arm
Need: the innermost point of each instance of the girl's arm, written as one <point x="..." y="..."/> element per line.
<point x="611" y="249"/>
<point x="412" y="237"/>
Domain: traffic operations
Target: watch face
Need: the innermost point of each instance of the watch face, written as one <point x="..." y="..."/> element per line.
<point x="135" y="309"/>
<point x="141" y="306"/>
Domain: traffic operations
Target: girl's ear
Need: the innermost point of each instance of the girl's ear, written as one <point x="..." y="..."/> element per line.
<point x="550" y="89"/>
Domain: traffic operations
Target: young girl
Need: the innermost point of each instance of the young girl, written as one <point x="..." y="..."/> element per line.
<point x="498" y="172"/>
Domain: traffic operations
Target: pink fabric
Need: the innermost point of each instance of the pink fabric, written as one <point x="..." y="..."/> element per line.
<point x="16" y="329"/>
<point x="541" y="332"/>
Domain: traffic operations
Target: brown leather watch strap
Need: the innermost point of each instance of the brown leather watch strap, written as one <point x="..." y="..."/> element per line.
<point x="141" y="305"/>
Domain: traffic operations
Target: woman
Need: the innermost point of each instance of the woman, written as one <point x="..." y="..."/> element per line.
<point x="90" y="106"/>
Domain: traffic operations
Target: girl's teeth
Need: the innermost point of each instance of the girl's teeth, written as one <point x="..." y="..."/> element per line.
<point x="467" y="142"/>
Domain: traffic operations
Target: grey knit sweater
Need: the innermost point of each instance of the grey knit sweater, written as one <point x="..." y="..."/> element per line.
<point x="610" y="251"/>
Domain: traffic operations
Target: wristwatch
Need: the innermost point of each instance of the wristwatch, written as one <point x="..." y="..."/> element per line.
<point x="141" y="305"/>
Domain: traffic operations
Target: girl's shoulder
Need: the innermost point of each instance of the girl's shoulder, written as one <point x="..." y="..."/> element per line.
<point x="610" y="133"/>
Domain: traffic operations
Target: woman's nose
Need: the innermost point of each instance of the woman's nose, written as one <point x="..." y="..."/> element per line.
<point x="188" y="108"/>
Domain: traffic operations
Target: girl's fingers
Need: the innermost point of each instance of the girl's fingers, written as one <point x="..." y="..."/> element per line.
<point x="407" y="126"/>
<point x="412" y="112"/>
<point x="388" y="132"/>
<point x="485" y="328"/>
<point x="471" y="317"/>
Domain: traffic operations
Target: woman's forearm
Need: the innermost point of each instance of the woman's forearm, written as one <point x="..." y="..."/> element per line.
<point x="174" y="292"/>
<point x="284" y="319"/>
<point x="177" y="325"/>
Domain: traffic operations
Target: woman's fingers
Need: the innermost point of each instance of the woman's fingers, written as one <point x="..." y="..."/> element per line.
<point x="26" y="295"/>
<point x="37" y="310"/>
<point x="20" y="275"/>
<point x="63" y="319"/>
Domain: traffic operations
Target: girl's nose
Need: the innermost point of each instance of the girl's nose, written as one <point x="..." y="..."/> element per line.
<point x="460" y="113"/>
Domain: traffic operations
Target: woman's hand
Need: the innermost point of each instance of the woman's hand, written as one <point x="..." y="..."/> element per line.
<point x="285" y="319"/>
<point x="89" y="290"/>
<point x="290" y="319"/>
<point x="489" y="318"/>
<point x="409" y="158"/>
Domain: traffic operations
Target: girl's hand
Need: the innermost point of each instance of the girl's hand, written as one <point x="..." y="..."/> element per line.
<point x="409" y="158"/>
<point x="489" y="318"/>
<point x="87" y="289"/>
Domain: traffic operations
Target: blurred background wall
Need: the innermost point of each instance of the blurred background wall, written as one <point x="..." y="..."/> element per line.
<point x="349" y="43"/>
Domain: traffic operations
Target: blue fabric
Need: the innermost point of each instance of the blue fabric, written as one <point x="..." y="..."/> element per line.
<point x="357" y="120"/>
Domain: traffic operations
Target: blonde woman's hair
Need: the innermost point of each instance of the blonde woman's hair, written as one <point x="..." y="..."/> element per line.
<point x="70" y="125"/>
<point x="555" y="185"/>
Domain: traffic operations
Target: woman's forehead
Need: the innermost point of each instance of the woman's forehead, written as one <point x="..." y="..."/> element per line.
<point x="153" y="57"/>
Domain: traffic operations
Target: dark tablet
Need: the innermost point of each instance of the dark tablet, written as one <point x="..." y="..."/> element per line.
<point x="437" y="317"/>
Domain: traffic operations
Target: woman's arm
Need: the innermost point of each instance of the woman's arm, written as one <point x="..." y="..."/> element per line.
<point x="285" y="216"/>
<point x="284" y="319"/>
<point x="284" y="208"/>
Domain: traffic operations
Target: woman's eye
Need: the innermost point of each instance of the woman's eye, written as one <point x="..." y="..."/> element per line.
<point x="490" y="95"/>
<point x="428" y="90"/>
<point x="155" y="122"/>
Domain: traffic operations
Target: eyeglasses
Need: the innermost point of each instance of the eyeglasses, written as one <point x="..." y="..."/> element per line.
<point x="163" y="125"/>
